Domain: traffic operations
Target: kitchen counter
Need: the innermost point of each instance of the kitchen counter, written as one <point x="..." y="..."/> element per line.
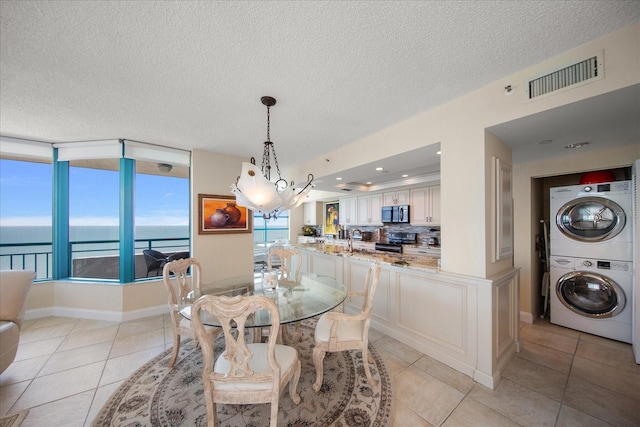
<point x="413" y="262"/>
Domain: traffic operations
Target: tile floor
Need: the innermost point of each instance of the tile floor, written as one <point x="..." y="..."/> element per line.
<point x="66" y="368"/>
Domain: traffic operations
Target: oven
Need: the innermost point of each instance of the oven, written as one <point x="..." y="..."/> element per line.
<point x="395" y="241"/>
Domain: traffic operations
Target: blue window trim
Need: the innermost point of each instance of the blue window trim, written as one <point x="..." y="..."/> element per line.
<point x="60" y="244"/>
<point x="127" y="222"/>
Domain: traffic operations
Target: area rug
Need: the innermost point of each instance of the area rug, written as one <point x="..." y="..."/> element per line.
<point x="157" y="396"/>
<point x="14" y="420"/>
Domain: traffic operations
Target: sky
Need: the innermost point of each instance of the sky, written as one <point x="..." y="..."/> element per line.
<point x="26" y="196"/>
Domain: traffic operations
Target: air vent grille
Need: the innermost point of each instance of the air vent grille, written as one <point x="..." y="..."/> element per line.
<point x="576" y="74"/>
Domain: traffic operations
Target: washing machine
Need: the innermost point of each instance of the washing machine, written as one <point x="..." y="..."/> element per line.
<point x="592" y="295"/>
<point x="592" y="221"/>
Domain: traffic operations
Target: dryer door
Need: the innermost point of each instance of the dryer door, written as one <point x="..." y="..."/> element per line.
<point x="591" y="219"/>
<point x="590" y="294"/>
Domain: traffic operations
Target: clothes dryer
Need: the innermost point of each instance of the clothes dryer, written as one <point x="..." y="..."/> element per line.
<point x="592" y="221"/>
<point x="592" y="295"/>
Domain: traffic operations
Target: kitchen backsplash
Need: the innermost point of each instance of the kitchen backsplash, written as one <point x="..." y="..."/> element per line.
<point x="423" y="233"/>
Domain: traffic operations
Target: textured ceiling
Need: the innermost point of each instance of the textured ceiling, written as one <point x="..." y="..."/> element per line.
<point x="191" y="74"/>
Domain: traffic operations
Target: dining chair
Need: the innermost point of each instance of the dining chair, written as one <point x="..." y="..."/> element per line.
<point x="244" y="373"/>
<point x="340" y="331"/>
<point x="285" y="258"/>
<point x="155" y="260"/>
<point x="182" y="290"/>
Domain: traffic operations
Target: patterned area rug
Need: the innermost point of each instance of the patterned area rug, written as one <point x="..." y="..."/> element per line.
<point x="157" y="396"/>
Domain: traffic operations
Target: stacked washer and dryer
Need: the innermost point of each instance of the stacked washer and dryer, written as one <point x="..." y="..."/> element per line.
<point x="591" y="254"/>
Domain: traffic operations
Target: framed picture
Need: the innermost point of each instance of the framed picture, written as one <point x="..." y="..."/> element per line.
<point x="221" y="215"/>
<point x="331" y="217"/>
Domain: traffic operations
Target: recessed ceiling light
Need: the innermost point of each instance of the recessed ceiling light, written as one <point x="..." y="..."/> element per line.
<point x="438" y="152"/>
<point x="368" y="182"/>
<point x="379" y="169"/>
<point x="405" y="175"/>
<point x="577" y="145"/>
<point x="339" y="178"/>
<point x="545" y="141"/>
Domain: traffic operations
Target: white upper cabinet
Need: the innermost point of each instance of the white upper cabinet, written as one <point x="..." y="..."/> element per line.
<point x="400" y="197"/>
<point x="370" y="210"/>
<point x="425" y="206"/>
<point x="348" y="214"/>
<point x="313" y="213"/>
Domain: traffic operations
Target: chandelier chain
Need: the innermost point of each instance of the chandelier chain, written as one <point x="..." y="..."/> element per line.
<point x="268" y="148"/>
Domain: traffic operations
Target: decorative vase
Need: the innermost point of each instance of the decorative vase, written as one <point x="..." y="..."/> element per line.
<point x="219" y="218"/>
<point x="233" y="212"/>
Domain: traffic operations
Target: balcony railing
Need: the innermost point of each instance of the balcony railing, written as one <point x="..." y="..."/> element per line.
<point x="89" y="259"/>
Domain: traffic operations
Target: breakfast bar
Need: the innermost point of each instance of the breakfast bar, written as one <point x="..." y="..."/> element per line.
<point x="468" y="323"/>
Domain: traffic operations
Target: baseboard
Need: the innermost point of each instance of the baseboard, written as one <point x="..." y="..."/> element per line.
<point x="110" y="316"/>
<point x="526" y="317"/>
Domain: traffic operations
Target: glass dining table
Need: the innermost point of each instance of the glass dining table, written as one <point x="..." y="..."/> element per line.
<point x="298" y="297"/>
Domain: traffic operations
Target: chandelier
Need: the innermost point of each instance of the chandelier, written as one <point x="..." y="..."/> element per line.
<point x="254" y="188"/>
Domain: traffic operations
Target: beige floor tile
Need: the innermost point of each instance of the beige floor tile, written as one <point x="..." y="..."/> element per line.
<point x="91" y="324"/>
<point x="471" y="413"/>
<point x="626" y="383"/>
<point x="9" y="394"/>
<point x="39" y="334"/>
<point x="595" y="339"/>
<point x="613" y="353"/>
<point x="51" y="321"/>
<point x="63" y="360"/>
<point x="393" y="363"/>
<point x="570" y="417"/>
<point x="518" y="403"/>
<point x="60" y="385"/>
<point x="38" y="348"/>
<point x="69" y="412"/>
<point x="549" y="339"/>
<point x="546" y="326"/>
<point x="428" y="397"/>
<point x="102" y="395"/>
<point x="447" y="375"/>
<point x="536" y="377"/>
<point x="375" y="335"/>
<point x="23" y="370"/>
<point x="136" y="327"/>
<point x="86" y="338"/>
<point x="135" y="343"/>
<point x="401" y="350"/>
<point x="549" y="357"/>
<point x="602" y="403"/>
<point x="120" y="368"/>
<point x="405" y="417"/>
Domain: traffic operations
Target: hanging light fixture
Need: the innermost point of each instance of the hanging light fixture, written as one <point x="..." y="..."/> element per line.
<point x="254" y="188"/>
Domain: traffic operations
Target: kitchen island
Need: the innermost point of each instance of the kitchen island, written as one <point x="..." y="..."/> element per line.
<point x="470" y="324"/>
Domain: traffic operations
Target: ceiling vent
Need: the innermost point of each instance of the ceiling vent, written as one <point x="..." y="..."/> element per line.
<point x="568" y="77"/>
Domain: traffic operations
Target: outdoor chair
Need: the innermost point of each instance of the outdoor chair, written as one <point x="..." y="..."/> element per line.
<point x="183" y="290"/>
<point x="178" y="255"/>
<point x="339" y="331"/>
<point x="244" y="373"/>
<point x="155" y="261"/>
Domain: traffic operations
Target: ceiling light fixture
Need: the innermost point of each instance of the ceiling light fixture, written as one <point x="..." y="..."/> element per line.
<point x="379" y="169"/>
<point x="254" y="188"/>
<point x="577" y="145"/>
<point x="165" y="167"/>
<point x="405" y="175"/>
<point x="339" y="178"/>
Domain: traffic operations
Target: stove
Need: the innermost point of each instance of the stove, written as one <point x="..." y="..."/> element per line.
<point x="395" y="242"/>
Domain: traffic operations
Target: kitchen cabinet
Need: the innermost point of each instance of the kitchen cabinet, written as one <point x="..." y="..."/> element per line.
<point x="400" y="197"/>
<point x="313" y="213"/>
<point x="425" y="206"/>
<point x="369" y="210"/>
<point x="348" y="214"/>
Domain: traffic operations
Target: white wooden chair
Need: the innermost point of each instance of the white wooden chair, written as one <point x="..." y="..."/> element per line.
<point x="244" y="373"/>
<point x="339" y="331"/>
<point x="182" y="289"/>
<point x="286" y="257"/>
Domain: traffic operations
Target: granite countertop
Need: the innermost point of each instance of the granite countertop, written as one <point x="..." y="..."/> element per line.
<point x="413" y="262"/>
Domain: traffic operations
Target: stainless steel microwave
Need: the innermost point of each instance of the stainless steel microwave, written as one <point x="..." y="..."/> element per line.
<point x="395" y="214"/>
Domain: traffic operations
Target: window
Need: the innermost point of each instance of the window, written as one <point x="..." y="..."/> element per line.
<point x="270" y="230"/>
<point x="25" y="216"/>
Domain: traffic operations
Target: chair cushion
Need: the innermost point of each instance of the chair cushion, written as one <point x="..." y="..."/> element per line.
<point x="9" y="339"/>
<point x="348" y="330"/>
<point x="285" y="355"/>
